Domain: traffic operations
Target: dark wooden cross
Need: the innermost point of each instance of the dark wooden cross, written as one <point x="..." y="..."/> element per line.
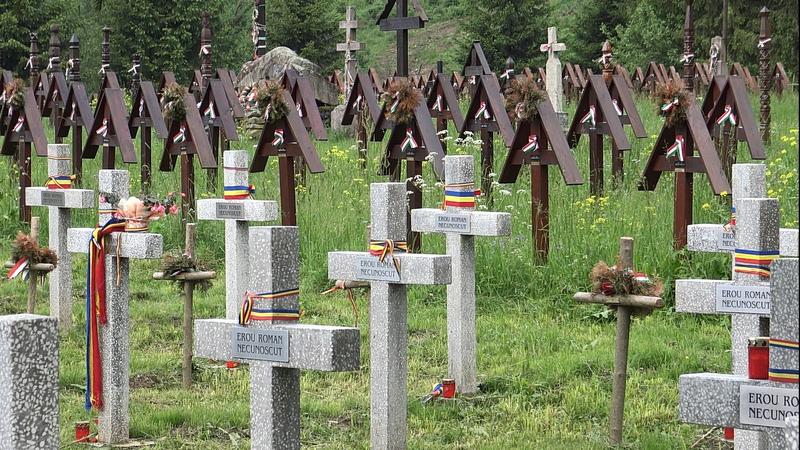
<point x="37" y="79"/>
<point x="487" y="115"/>
<point x="679" y="140"/>
<point x="146" y="115"/>
<point x="540" y="142"/>
<point x="196" y="84"/>
<point x="228" y="79"/>
<point x="259" y="34"/>
<point x="55" y="100"/>
<point x="638" y="79"/>
<point x="625" y="107"/>
<point x="620" y="70"/>
<point x="401" y="23"/>
<point x="218" y="119"/>
<point x="781" y="79"/>
<point x="376" y="80"/>
<point x="110" y="129"/>
<point x="700" y="76"/>
<point x="24" y="128"/>
<point x="335" y="78"/>
<point x="572" y="87"/>
<point x="764" y="78"/>
<point x="688" y="48"/>
<point x="652" y="76"/>
<point x="443" y="106"/>
<point x="109" y="78"/>
<point x="597" y="117"/>
<point x="286" y="138"/>
<point x="362" y="99"/>
<point x="136" y="73"/>
<point x="206" y="70"/>
<point x="476" y="63"/>
<point x="77" y="115"/>
<point x="305" y="102"/>
<point x="185" y="139"/>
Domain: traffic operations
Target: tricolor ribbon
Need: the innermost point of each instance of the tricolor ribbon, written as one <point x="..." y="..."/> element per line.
<point x="754" y="262"/>
<point x="248" y="311"/>
<point x="409" y="143"/>
<point x="209" y="112"/>
<point x="96" y="310"/>
<point x="676" y="150"/>
<point x="589" y="116"/>
<point x="134" y="69"/>
<point x="18" y="127"/>
<point x="205" y="49"/>
<point x="341" y="285"/>
<point x="731" y="225"/>
<point x="763" y="42"/>
<point x="299" y="108"/>
<point x="103" y="69"/>
<point x="436" y="392"/>
<point x="483" y="110"/>
<point x="457" y="198"/>
<point x="472" y="80"/>
<point x="60" y="182"/>
<point x="396" y="102"/>
<point x="103" y="130"/>
<point x="437" y="105"/>
<point x="238" y="192"/>
<point x="387" y="247"/>
<point x="616" y="107"/>
<point x="727" y="116"/>
<point x="666" y="107"/>
<point x="20" y="267"/>
<point x="687" y="58"/>
<point x="532" y="145"/>
<point x="180" y="136"/>
<point x="784" y="375"/>
<point x="278" y="139"/>
<point x="357" y="107"/>
<point x="507" y="74"/>
<point x="51" y="61"/>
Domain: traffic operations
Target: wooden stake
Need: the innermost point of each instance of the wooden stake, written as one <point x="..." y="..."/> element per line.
<point x="32" y="274"/>
<point x="487" y="163"/>
<point x="616" y="415"/>
<point x="287" y="180"/>
<point x="187" y="188"/>
<point x="24" y="160"/>
<point x="188" y="299"/>
<point x="540" y="217"/>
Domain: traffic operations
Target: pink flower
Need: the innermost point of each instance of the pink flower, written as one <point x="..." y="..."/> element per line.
<point x="158" y="209"/>
<point x="102" y="199"/>
<point x="173" y="209"/>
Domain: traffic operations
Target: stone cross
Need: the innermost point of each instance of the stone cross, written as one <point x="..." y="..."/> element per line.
<point x="750" y="404"/>
<point x="115" y="335"/>
<point x="388" y="311"/>
<point x="272" y="340"/>
<point x="461" y="223"/>
<point x="349" y="47"/>
<point x="554" y="81"/>
<point x="60" y="199"/>
<point x="29" y="382"/>
<point x="237" y="209"/>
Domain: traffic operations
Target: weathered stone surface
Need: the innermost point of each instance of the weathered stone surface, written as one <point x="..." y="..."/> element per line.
<point x="336" y="121"/>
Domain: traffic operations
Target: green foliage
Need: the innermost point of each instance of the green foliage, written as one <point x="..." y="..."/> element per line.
<point x="17" y="19"/>
<point x="589" y="27"/>
<point x="309" y="27"/>
<point x="647" y="37"/>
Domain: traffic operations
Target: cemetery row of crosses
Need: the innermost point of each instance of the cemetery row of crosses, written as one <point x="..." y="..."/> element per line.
<point x="262" y="326"/>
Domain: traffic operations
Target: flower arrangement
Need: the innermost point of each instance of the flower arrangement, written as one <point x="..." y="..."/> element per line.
<point x="13" y="94"/>
<point x="268" y="97"/>
<point x="673" y="100"/>
<point x="613" y="281"/>
<point x="176" y="264"/>
<point x="25" y="247"/>
<point x="174" y="108"/>
<point x="402" y="98"/>
<point x="138" y="213"/>
<point x="523" y="98"/>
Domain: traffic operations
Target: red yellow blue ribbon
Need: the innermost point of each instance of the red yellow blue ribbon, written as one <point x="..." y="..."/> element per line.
<point x="60" y="182"/>
<point x="460" y="199"/>
<point x="239" y="192"/>
<point x="248" y="312"/>
<point x="784" y="375"/>
<point x="387" y="247"/>
<point x="754" y="262"/>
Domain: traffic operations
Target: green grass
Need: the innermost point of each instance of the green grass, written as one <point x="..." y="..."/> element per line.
<point x="544" y="361"/>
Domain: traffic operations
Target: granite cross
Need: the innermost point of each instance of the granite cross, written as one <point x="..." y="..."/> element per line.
<point x="269" y="337"/>
<point x="29" y="382"/>
<point x="461" y="223"/>
<point x="237" y="209"/>
<point x="349" y="47"/>
<point x="114" y="338"/>
<point x="744" y="403"/>
<point x="388" y="273"/>
<point x="555" y="89"/>
<point x="60" y="198"/>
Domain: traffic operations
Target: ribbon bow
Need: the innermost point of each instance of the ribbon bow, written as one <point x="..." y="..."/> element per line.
<point x="248" y="311"/>
<point x="103" y="69"/>
<point x="134" y="69"/>
<point x="51" y="61"/>
<point x="180" y="136"/>
<point x="677" y="148"/>
<point x="532" y="145"/>
<point x="205" y="49"/>
<point x="687" y="58"/>
<point x="483" y="110"/>
<point x="18" y="127"/>
<point x="29" y="64"/>
<point x="727" y="116"/>
<point x="409" y="143"/>
<point x="437" y="106"/>
<point x="21" y="267"/>
<point x="667" y="107"/>
<point x="387" y="247"/>
<point x="103" y="130"/>
<point x="299" y="108"/>
<point x="589" y="116"/>
<point x="763" y="42"/>
<point x="278" y="138"/>
<point x="209" y="112"/>
<point x="507" y="74"/>
<point x="396" y="102"/>
<point x="616" y="107"/>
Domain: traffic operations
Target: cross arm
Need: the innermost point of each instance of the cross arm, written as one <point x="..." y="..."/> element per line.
<point x="706" y="238"/>
<point x="62" y="198"/>
<point x="699" y="296"/>
<point x="480" y="223"/>
<point x="311" y="347"/>
<point x="131" y="245"/>
<point x="414" y="268"/>
<point x="249" y="210"/>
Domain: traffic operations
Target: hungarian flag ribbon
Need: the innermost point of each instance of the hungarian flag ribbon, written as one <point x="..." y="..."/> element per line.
<point x="18" y="127"/>
<point x="754" y="262"/>
<point x="180" y="136"/>
<point x="677" y="148"/>
<point x="238" y="192"/>
<point x="483" y="110"/>
<point x="249" y="312"/>
<point x="357" y="107"/>
<point x="409" y="143"/>
<point x="396" y="102"/>
<point x="727" y="116"/>
<point x="616" y="107"/>
<point x="299" y="110"/>
<point x="209" y="112"/>
<point x="18" y="268"/>
<point x="96" y="310"/>
<point x="437" y="106"/>
<point x="532" y="145"/>
<point x="590" y="116"/>
<point x="667" y="107"/>
<point x="278" y="139"/>
<point x="103" y="130"/>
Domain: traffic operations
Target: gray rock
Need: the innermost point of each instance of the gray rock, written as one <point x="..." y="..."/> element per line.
<point x="336" y="121"/>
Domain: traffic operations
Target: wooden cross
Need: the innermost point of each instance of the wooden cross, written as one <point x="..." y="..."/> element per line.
<point x="401" y="24"/>
<point x="186" y="138"/>
<point x="218" y="120"/>
<point x="146" y="114"/>
<point x="539" y="142"/>
<point x="443" y="105"/>
<point x="287" y="139"/>
<point x="305" y="102"/>
<point x="24" y="128"/>
<point x="349" y="47"/>
<point x="36" y="272"/>
<point x="597" y="117"/>
<point x="638" y="80"/>
<point x="259" y="33"/>
<point x="624" y="306"/>
<point x="77" y="115"/>
<point x="206" y="70"/>
<point x="227" y="78"/>
<point x="781" y="79"/>
<point x="745" y="403"/>
<point x="652" y="77"/>
<point x="39" y="80"/>
<point x="388" y="277"/>
<point x="114" y="340"/>
<point x="55" y="99"/>
<point x="109" y="78"/>
<point x="167" y="78"/>
<point x="683" y="135"/>
<point x="110" y="129"/>
<point x="461" y="224"/>
<point x="764" y="78"/>
<point x="362" y="99"/>
<point x="269" y="336"/>
<point x="476" y="63"/>
<point x="625" y="107"/>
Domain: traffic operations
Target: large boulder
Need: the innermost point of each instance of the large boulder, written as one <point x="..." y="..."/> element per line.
<point x="275" y="62"/>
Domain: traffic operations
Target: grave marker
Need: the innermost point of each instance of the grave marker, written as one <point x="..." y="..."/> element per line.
<point x="780" y="79"/>
<point x="60" y="197"/>
<point x="35" y="272"/>
<point x="553" y="72"/>
<point x="362" y="99"/>
<point x="146" y="115"/>
<point x="77" y="115"/>
<point x="136" y="74"/>
<point x="461" y="224"/>
<point x="401" y="24"/>
<point x="652" y="77"/>
<point x="109" y="77"/>
<point x="108" y="320"/>
<point x="55" y="92"/>
<point x="305" y="102"/>
<point x="110" y="129"/>
<point x="764" y="78"/>
<point x="442" y="102"/>
<point x="388" y="306"/>
<point x="217" y="118"/>
<point x="227" y="78"/>
<point x="270" y="338"/>
<point x="349" y="47"/>
<point x="38" y="80"/>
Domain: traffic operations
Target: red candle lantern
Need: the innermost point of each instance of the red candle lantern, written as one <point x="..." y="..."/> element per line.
<point x="81" y="431"/>
<point x="758" y="358"/>
<point x="448" y="388"/>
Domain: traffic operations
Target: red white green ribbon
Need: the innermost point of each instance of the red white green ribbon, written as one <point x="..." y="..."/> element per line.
<point x="396" y="102"/>
<point x="507" y="74"/>
<point x="359" y="100"/>
<point x="532" y="145"/>
<point x="589" y="116"/>
<point x="483" y="110"/>
<point x="205" y="49"/>
<point x="616" y="107"/>
<point x="278" y="139"/>
<point x="299" y="110"/>
<point x="209" y="112"/>
<point x="18" y="127"/>
<point x="727" y="116"/>
<point x="437" y="106"/>
<point x="18" y="268"/>
<point x="763" y="42"/>
<point x="677" y="149"/>
<point x="666" y="107"/>
<point x="409" y="143"/>
<point x="103" y="130"/>
<point x="180" y="136"/>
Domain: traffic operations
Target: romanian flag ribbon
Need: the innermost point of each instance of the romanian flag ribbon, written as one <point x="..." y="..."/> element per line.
<point x="731" y="225"/>
<point x="20" y="267"/>
<point x="590" y="116"/>
<point x="180" y="136"/>
<point x="532" y="145"/>
<point x="60" y="182"/>
<point x="784" y="375"/>
<point x="278" y="139"/>
<point x="387" y="247"/>
<point x="96" y="310"/>
<point x="248" y="312"/>
<point x="677" y="149"/>
<point x="727" y="116"/>
<point x="239" y="192"/>
<point x="460" y="199"/>
<point x="409" y="143"/>
<point x="483" y="110"/>
<point x="754" y="262"/>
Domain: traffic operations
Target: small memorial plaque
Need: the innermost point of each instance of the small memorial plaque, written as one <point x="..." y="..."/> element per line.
<point x="370" y="268"/>
<point x="726" y="240"/>
<point x="52" y="198"/>
<point x="453" y="223"/>
<point x="767" y="406"/>
<point x="743" y="299"/>
<point x="260" y="344"/>
<point x="230" y="210"/>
